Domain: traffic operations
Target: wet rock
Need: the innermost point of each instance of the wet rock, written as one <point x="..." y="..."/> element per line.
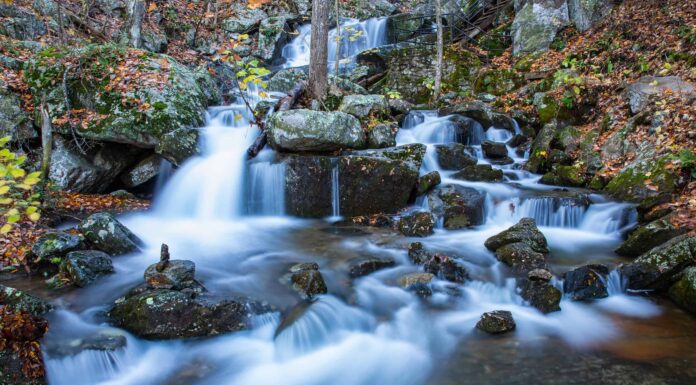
<point x="571" y="176"/>
<point x="494" y="150"/>
<point x="541" y="295"/>
<point x="427" y="182"/>
<point x="370" y="266"/>
<point x="454" y="156"/>
<point x="586" y="282"/>
<point x="480" y="112"/>
<point x="411" y="279"/>
<point x="420" y="289"/>
<point x="479" y="173"/>
<point x="536" y="24"/>
<point x="496" y="322"/>
<point x="170" y="314"/>
<point x="521" y="258"/>
<point x="517" y="140"/>
<point x="364" y="106"/>
<point x="307" y="130"/>
<point x="683" y="292"/>
<point x="657" y="269"/>
<point x="272" y="37"/>
<point x="446" y="268"/>
<point x="56" y="245"/>
<point x="648" y="236"/>
<point x="399" y="106"/>
<point x="308" y="191"/>
<point x="524" y="231"/>
<point x="382" y="135"/>
<point x="107" y="234"/>
<point x="84" y="267"/>
<point x="285" y="79"/>
<point x="639" y="93"/>
<point x="178" y="145"/>
<point x="417" y="253"/>
<point x="458" y="206"/>
<point x="174" y="275"/>
<point x="142" y="172"/>
<point x="502" y="161"/>
<point x="18" y="301"/>
<point x="307" y="281"/>
<point x="107" y="341"/>
<point x="418" y="224"/>
<point x="538" y="162"/>
<point x="540" y="275"/>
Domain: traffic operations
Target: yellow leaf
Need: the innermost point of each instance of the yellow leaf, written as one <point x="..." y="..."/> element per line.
<point x="5" y="228"/>
<point x="34" y="217"/>
<point x="5" y="201"/>
<point x="152" y="7"/>
<point x="32" y="210"/>
<point x="4" y="189"/>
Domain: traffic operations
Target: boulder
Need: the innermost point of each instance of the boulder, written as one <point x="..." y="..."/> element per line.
<point x="178" y="145"/>
<point x="142" y="172"/>
<point x="243" y="20"/>
<point x="538" y="157"/>
<point x="428" y="182"/>
<point x="307" y="130"/>
<point x="170" y="314"/>
<point x="272" y="37"/>
<point x="307" y="281"/>
<point x="173" y="275"/>
<point x="631" y="184"/>
<point x="454" y="156"/>
<point x="107" y="234"/>
<point x="683" y="292"/>
<point x="14" y="122"/>
<point x="81" y="268"/>
<point x="541" y="295"/>
<point x="657" y="268"/>
<point x="517" y="140"/>
<point x="479" y="173"/>
<point x="639" y="93"/>
<point x="418" y="224"/>
<point x="496" y="322"/>
<point x="365" y="106"/>
<point x="493" y="150"/>
<point x="411" y="279"/>
<point x="481" y="112"/>
<point x="571" y="176"/>
<point x="586" y="282"/>
<point x="369" y="266"/>
<point x="540" y="275"/>
<point x="382" y="135"/>
<point x="446" y="268"/>
<point x="417" y="253"/>
<point x="524" y="231"/>
<point x="521" y="258"/>
<point x="458" y="206"/>
<point x="308" y="191"/>
<point x="586" y="13"/>
<point x="285" y="79"/>
<point x="649" y="236"/>
<point x="20" y="24"/>
<point x="56" y="245"/>
<point x="19" y="301"/>
<point x="536" y="24"/>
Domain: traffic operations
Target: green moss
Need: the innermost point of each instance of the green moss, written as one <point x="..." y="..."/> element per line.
<point x="498" y="81"/>
<point x="632" y="183"/>
<point x="548" y="109"/>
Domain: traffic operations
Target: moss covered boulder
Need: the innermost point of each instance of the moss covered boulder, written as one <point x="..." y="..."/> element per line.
<point x="524" y="231"/>
<point x="56" y="245"/>
<point x="454" y="156"/>
<point x="479" y="173"/>
<point x="307" y="130"/>
<point x="647" y="182"/>
<point x="458" y="206"/>
<point x="571" y="176"/>
<point x="683" y="292"/>
<point x="107" y="234"/>
<point x="19" y="301"/>
<point x="365" y="106"/>
<point x="536" y="24"/>
<point x="541" y="148"/>
<point x="649" y="235"/>
<point x="120" y="95"/>
<point x="81" y="268"/>
<point x="657" y="268"/>
<point x="498" y="81"/>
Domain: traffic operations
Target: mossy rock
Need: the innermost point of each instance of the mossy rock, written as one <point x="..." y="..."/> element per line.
<point x="648" y="236"/>
<point x="571" y="176"/>
<point x="631" y="184"/>
<point x="683" y="292"/>
<point x="658" y="268"/>
<point x="498" y="81"/>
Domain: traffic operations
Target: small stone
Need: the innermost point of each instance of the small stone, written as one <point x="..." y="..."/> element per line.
<point x="446" y="268"/>
<point x="586" y="282"/>
<point x="541" y="295"/>
<point x="307" y="281"/>
<point x="109" y="235"/>
<point x="176" y="275"/>
<point x="417" y="253"/>
<point x="539" y="275"/>
<point x="427" y="182"/>
<point x="421" y="290"/>
<point x="418" y="224"/>
<point x="494" y="150"/>
<point x="370" y="266"/>
<point x="415" y="278"/>
<point x="496" y="322"/>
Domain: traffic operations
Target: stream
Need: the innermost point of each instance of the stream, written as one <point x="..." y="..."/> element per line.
<point x="227" y="215"/>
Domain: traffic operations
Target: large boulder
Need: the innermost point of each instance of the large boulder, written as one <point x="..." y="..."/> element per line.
<point x="382" y="135"/>
<point x="20" y="24"/>
<point x="454" y="156"/>
<point x="142" y="172"/>
<point x="657" y="268"/>
<point x="170" y="314"/>
<point x="14" y="121"/>
<point x="307" y="130"/>
<point x="496" y="322"/>
<point x="645" y="181"/>
<point x="586" y="13"/>
<point x="586" y="282"/>
<point x="536" y="24"/>
<point x="683" y="292"/>
<point x="364" y="106"/>
<point x="539" y="153"/>
<point x="639" y="93"/>
<point x="81" y="268"/>
<point x="458" y="206"/>
<point x="524" y="231"/>
<point x="243" y="19"/>
<point x="479" y="173"/>
<point x="648" y="236"/>
<point x="308" y="186"/>
<point x="117" y="108"/>
<point x="19" y="301"/>
<point x="285" y="79"/>
<point x="521" y="258"/>
<point x="107" y="234"/>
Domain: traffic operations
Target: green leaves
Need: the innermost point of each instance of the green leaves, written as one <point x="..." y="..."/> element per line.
<point x="18" y="199"/>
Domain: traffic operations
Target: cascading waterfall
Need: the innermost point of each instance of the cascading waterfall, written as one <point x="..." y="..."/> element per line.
<point x="335" y="190"/>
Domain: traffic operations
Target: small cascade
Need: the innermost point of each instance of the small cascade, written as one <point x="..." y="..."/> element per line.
<point x="356" y="36"/>
<point x="427" y="128"/>
<point x="166" y="169"/>
<point x="335" y="190"/>
<point x="266" y="186"/>
<point x="551" y="211"/>
<point x="87" y="367"/>
<point x="498" y="134"/>
<point x="610" y="217"/>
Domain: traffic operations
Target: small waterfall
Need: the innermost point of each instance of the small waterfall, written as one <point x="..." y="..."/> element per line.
<point x="427" y="128"/>
<point x="166" y="169"/>
<point x="552" y="212"/>
<point x="266" y="187"/>
<point x="609" y="217"/>
<point x="335" y="190"/>
<point x="88" y="367"/>
<point x="498" y="134"/>
<point x="417" y="117"/>
<point x="356" y="36"/>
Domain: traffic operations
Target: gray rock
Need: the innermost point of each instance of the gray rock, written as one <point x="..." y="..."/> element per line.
<point x="657" y="269"/>
<point x="458" y="206"/>
<point x="479" y="173"/>
<point x="174" y="275"/>
<point x="369" y="266"/>
<point x="418" y="224"/>
<point x="307" y="281"/>
<point x="363" y="106"/>
<point x="683" y="292"/>
<point x="536" y="24"/>
<point x="382" y="135"/>
<point x="540" y="275"/>
<point x="521" y="258"/>
<point x="524" y="231"/>
<point x="179" y="145"/>
<point x="496" y="322"/>
<point x="244" y="20"/>
<point x="20" y="24"/>
<point x="648" y="236"/>
<point x="272" y="37"/>
<point x="411" y="279"/>
<point x="18" y="300"/>
<point x="639" y="93"/>
<point x="106" y="341"/>
<point x="541" y="295"/>
<point x="14" y="122"/>
<point x="428" y="182"/>
<point x="586" y="282"/>
<point x="308" y="191"/>
<point x="445" y="268"/>
<point x="454" y="156"/>
<point x="84" y="267"/>
<point x="307" y="130"/>
<point x="493" y="150"/>
<point x="56" y="245"/>
<point x="586" y="13"/>
<point x="285" y="79"/>
<point x="142" y="172"/>
<point x="107" y="234"/>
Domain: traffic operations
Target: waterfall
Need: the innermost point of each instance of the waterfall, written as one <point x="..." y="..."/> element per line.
<point x="335" y="190"/>
<point x="266" y="183"/>
<point x="551" y="211"/>
<point x="356" y="36"/>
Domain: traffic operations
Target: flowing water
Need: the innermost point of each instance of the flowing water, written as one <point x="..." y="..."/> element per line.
<point x="227" y="215"/>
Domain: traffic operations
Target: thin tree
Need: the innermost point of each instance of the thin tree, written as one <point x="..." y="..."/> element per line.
<point x="338" y="39"/>
<point x="319" y="49"/>
<point x="440" y="42"/>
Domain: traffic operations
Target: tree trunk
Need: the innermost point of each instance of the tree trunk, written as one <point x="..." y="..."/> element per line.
<point x="440" y="42"/>
<point x="319" y="49"/>
<point x="46" y="142"/>
<point x="136" y="13"/>
<point x="338" y="40"/>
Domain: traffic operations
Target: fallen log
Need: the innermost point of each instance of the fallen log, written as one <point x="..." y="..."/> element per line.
<point x="283" y="104"/>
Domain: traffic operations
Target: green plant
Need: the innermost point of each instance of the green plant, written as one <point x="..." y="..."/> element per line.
<point x="687" y="159"/>
<point x="18" y="198"/>
<point x="392" y="94"/>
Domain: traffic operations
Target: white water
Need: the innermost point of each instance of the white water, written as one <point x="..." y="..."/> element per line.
<point x="378" y="334"/>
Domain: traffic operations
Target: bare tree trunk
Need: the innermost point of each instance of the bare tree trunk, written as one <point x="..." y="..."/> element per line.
<point x="338" y="39"/>
<point x="438" y="66"/>
<point x="136" y="11"/>
<point x="46" y="141"/>
<point x="319" y="50"/>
